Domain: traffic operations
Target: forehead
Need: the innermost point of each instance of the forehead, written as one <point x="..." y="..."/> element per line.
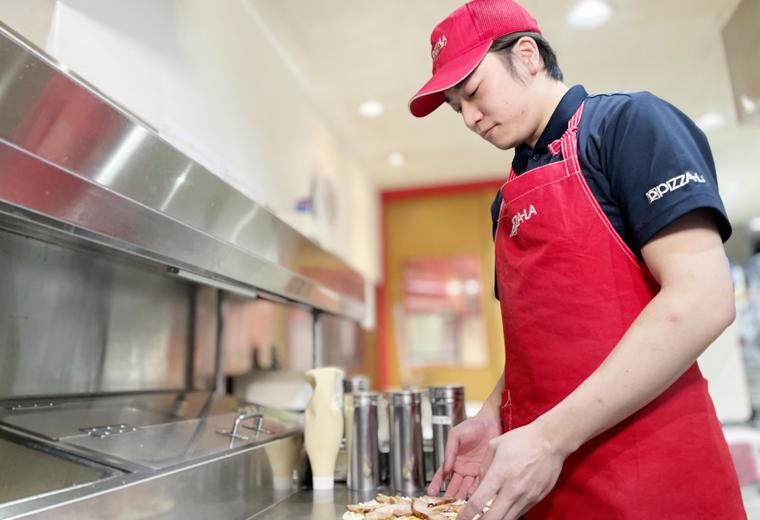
<point x="483" y="68"/>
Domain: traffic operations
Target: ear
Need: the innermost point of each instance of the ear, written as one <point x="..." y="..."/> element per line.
<point x="526" y="51"/>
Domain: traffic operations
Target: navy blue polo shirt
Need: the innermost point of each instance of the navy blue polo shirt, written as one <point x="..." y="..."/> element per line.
<point x="644" y="160"/>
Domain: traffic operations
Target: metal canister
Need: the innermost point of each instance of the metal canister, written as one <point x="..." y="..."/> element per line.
<point x="407" y="470"/>
<point x="363" y="449"/>
<point x="447" y="404"/>
<point x="358" y="383"/>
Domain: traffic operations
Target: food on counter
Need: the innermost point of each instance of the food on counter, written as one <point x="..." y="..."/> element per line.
<point x="385" y="507"/>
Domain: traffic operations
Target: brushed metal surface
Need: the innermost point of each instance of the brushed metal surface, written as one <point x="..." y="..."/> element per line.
<point x="235" y="485"/>
<point x="44" y="471"/>
<point x="319" y="505"/>
<point x="72" y="160"/>
<point x="77" y="323"/>
<point x="407" y="470"/>
<point x="166" y="445"/>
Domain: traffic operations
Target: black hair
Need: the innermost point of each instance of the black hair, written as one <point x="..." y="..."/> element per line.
<point x="504" y="45"/>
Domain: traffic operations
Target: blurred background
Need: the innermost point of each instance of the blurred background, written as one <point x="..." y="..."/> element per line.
<point x="302" y="106"/>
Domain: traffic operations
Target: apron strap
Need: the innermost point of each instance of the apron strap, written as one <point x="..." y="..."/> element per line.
<point x="568" y="144"/>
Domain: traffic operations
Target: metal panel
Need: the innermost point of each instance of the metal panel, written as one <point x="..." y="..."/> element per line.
<point x="318" y="504"/>
<point x="272" y="335"/>
<point x="237" y="485"/>
<point x="72" y="160"/>
<point x="76" y="323"/>
<point x="343" y="341"/>
<point x="43" y="471"/>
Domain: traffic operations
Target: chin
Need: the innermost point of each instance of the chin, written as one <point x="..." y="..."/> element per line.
<point x="504" y="145"/>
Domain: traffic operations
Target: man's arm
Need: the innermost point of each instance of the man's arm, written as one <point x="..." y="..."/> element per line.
<point x="492" y="405"/>
<point x="695" y="304"/>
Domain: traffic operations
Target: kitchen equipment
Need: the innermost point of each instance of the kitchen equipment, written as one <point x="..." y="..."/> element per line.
<point x="447" y="404"/>
<point x="363" y="449"/>
<point x="407" y="472"/>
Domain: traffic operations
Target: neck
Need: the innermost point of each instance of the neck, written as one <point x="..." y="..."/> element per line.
<point x="550" y="94"/>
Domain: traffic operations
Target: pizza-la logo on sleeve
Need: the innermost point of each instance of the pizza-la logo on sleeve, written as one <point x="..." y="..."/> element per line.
<point x="671" y="185"/>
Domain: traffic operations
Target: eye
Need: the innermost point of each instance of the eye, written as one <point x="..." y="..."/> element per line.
<point x="471" y="94"/>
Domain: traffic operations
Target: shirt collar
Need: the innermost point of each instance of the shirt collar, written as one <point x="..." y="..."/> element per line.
<point x="554" y="128"/>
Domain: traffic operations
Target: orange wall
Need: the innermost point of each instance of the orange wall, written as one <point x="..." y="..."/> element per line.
<point x="438" y="222"/>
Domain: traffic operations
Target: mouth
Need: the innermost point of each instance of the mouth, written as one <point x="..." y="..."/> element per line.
<point x="487" y="133"/>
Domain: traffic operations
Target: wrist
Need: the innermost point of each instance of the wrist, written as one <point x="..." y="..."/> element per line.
<point x="490" y="412"/>
<point x="560" y="436"/>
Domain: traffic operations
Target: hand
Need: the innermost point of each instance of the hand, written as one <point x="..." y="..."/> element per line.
<point x="518" y="469"/>
<point x="466" y="444"/>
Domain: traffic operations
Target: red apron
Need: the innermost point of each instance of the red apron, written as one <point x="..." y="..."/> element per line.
<point x="570" y="288"/>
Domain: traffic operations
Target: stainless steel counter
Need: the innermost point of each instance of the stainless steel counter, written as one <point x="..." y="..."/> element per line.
<point x="316" y="505"/>
<point x="144" y="456"/>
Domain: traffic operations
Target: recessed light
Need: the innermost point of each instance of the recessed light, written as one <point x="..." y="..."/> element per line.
<point x="396" y="159"/>
<point x="589" y="14"/>
<point x="371" y="108"/>
<point x="749" y="105"/>
<point x="754" y="224"/>
<point x="710" y="121"/>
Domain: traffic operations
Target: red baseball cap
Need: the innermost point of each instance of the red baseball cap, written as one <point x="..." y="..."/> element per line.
<point x="460" y="42"/>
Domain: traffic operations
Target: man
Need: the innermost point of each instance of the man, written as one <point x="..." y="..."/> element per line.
<point x="612" y="279"/>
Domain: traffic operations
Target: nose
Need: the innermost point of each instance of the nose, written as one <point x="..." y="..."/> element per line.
<point x="471" y="115"/>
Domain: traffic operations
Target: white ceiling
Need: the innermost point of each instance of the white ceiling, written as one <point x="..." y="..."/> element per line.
<point x="347" y="51"/>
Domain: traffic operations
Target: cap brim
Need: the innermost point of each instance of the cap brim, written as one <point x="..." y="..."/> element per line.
<point x="431" y="95"/>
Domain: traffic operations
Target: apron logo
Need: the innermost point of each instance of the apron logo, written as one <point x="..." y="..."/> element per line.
<point x="677" y="182"/>
<point x="522" y="216"/>
<point x="438" y="47"/>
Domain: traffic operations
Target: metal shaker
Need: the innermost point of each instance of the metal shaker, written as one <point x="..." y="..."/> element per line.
<point x="363" y="449"/>
<point x="350" y="385"/>
<point x="407" y="469"/>
<point x="447" y="404"/>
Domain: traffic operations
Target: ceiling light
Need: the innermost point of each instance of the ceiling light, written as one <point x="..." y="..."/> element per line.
<point x="371" y="108"/>
<point x="749" y="105"/>
<point x="754" y="224"/>
<point x="589" y="14"/>
<point x="396" y="159"/>
<point x="710" y="121"/>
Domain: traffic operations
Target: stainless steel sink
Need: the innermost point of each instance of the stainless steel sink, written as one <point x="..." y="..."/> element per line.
<point x="30" y="470"/>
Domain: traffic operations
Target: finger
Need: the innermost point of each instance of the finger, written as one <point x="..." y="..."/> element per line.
<point x="452" y="448"/>
<point x="435" y="485"/>
<point x="473" y="487"/>
<point x="488" y="488"/>
<point x="464" y="489"/>
<point x="518" y="508"/>
<point x="501" y="507"/>
<point x="454" y="484"/>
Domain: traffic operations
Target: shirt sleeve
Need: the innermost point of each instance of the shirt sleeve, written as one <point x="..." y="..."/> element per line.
<point x="660" y="167"/>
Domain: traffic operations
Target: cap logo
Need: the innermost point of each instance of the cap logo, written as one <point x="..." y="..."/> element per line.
<point x="438" y="47"/>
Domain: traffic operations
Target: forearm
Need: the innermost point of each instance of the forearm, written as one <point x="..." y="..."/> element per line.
<point x="492" y="405"/>
<point x="665" y="339"/>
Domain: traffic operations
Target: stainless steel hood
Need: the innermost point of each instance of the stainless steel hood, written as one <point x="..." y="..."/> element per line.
<point x="75" y="167"/>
